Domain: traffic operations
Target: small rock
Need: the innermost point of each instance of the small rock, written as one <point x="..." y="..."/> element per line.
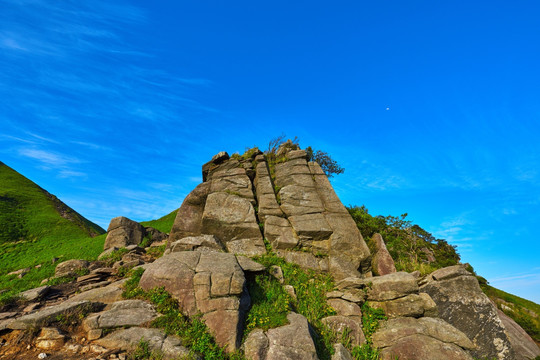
<point x="341" y="353"/>
<point x="42" y="356"/>
<point x="290" y="290"/>
<point x="68" y="268"/>
<point x="74" y="348"/>
<point x="35" y="294"/>
<point x="276" y="272"/>
<point x="30" y="307"/>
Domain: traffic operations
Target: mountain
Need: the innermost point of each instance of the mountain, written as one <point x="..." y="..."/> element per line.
<point x="29" y="212"/>
<point x="36" y="227"/>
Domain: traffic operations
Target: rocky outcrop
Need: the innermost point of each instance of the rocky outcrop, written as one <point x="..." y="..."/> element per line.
<point x="291" y="341"/>
<point x="123" y="232"/>
<point x="382" y="262"/>
<point x="70" y="267"/>
<point x="222" y="206"/>
<point x="524" y="346"/>
<point x="462" y="304"/>
<point x="209" y="282"/>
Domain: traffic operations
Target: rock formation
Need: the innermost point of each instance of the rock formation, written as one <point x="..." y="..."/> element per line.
<point x="300" y="213"/>
<point x="208" y="263"/>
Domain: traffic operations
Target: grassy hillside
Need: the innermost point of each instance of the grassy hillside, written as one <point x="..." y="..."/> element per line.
<point x="163" y="224"/>
<point x="36" y="227"/>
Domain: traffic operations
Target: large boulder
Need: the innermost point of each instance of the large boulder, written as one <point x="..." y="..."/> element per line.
<point x="188" y="221"/>
<point x="462" y="303"/>
<point x="419" y="339"/>
<point x="123" y="232"/>
<point x="211" y="283"/>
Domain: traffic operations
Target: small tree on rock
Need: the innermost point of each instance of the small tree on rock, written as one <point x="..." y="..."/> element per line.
<point x="328" y="165"/>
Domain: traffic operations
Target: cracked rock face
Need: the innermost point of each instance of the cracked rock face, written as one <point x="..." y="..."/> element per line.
<point x="462" y="304"/>
<point x="123" y="232"/>
<point x="208" y="282"/>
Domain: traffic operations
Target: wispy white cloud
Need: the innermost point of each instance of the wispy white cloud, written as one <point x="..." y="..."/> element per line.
<point x="48" y="157"/>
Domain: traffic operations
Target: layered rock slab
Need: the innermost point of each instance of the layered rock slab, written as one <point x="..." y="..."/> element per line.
<point x="462" y="303"/>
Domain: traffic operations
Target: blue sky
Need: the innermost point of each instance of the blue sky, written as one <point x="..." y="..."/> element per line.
<point x="431" y="107"/>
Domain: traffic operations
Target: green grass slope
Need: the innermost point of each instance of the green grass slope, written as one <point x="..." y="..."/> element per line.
<point x="36" y="227"/>
<point x="163" y="224"/>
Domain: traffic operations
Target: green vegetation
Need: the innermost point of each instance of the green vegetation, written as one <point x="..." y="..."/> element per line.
<point x="408" y="244"/>
<point x="328" y="165"/>
<point x="193" y="332"/>
<point x="311" y="288"/>
<point x="143" y="352"/>
<point x="526" y="313"/>
<point x="163" y="224"/>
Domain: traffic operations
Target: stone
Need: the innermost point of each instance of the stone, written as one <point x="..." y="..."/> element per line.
<point x="217" y="159"/>
<point x="123" y="232"/>
<point x="107" y="253"/>
<point x="20" y="273"/>
<point x="291" y="341"/>
<point x="48" y="315"/>
<point x="392" y="286"/>
<point x="304" y="260"/>
<point x="280" y="233"/>
<point x="410" y="305"/>
<point x="127" y="339"/>
<point x="430" y="308"/>
<point x="256" y="345"/>
<point x="311" y="227"/>
<point x="344" y="307"/>
<point x="353" y="325"/>
<point x="69" y="267"/>
<point x="232" y="219"/>
<point x="249" y="265"/>
<point x="421" y="347"/>
<point x="524" y="346"/>
<point x="94" y="285"/>
<point x="35" y="294"/>
<point x="341" y="353"/>
<point x="188" y="221"/>
<point x="462" y="303"/>
<point x="266" y="198"/>
<point x="191" y="243"/>
<point x="289" y="289"/>
<point x="394" y="329"/>
<point x="107" y="294"/>
<point x="275" y="271"/>
<point x="50" y="339"/>
<point x="382" y="262"/>
<point x="122" y="313"/>
<point x="175" y="273"/>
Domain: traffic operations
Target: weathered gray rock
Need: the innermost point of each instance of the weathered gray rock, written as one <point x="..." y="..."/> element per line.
<point x="462" y="303"/>
<point x="353" y="325"/>
<point x="155" y="235"/>
<point x="175" y="273"/>
<point x="127" y="339"/>
<point x="524" y="346"/>
<point x="123" y="232"/>
<point x="291" y="341"/>
<point x="35" y="294"/>
<point x="216" y="160"/>
<point x="345" y="308"/>
<point x="232" y="219"/>
<point x="122" y="313"/>
<point x="382" y="262"/>
<point x="48" y="315"/>
<point x="421" y="347"/>
<point x="190" y="243"/>
<point x="392" y="286"/>
<point x="410" y="305"/>
<point x="266" y="198"/>
<point x="212" y="283"/>
<point x="256" y="345"/>
<point x="279" y="232"/>
<point x="188" y="221"/>
<point x="304" y="260"/>
<point x="341" y="353"/>
<point x="249" y="265"/>
<point x="68" y="268"/>
<point x="107" y="294"/>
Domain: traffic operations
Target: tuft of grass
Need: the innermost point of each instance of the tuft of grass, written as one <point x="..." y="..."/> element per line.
<point x="156" y="251"/>
<point x="311" y="288"/>
<point x="269" y="303"/>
